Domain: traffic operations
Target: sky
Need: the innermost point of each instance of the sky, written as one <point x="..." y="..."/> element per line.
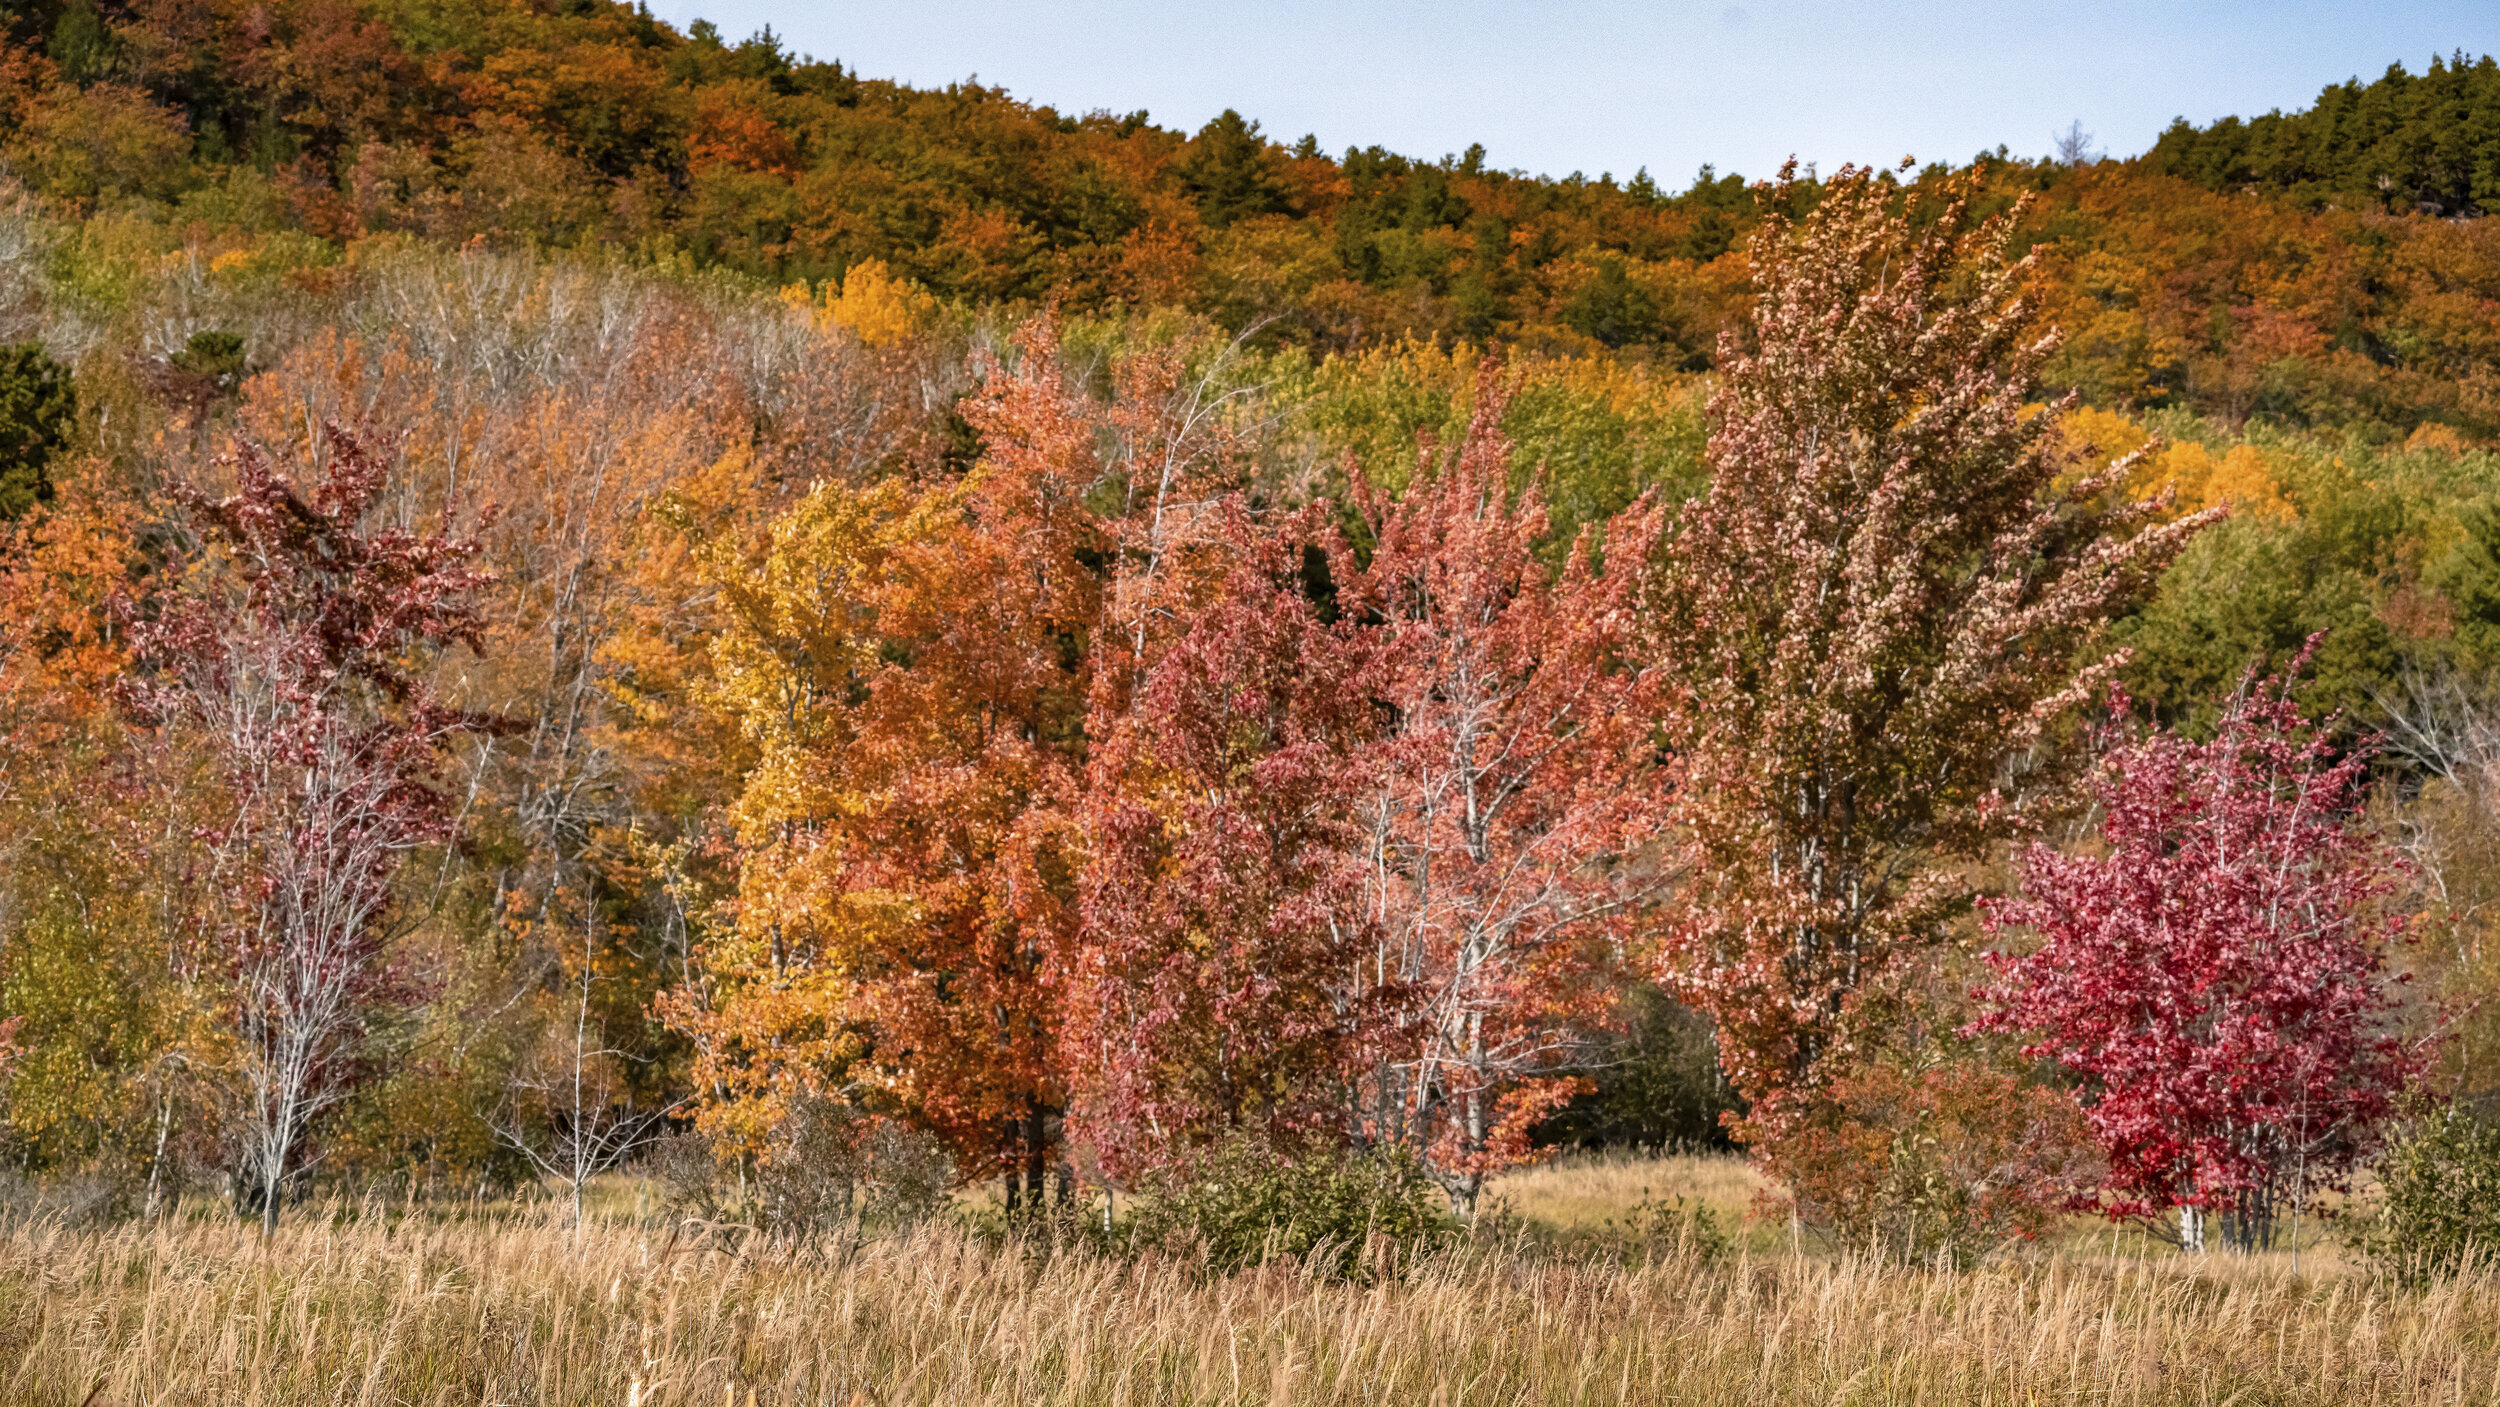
<point x="1555" y="86"/>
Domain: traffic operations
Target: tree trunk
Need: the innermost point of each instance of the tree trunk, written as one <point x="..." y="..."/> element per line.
<point x="2249" y="1226"/>
<point x="156" y="1160"/>
<point x="272" y="1188"/>
<point x="1036" y="1154"/>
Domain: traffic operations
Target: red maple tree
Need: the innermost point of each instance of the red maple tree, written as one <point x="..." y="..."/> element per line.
<point x="295" y="660"/>
<point x="2217" y="974"/>
<point x="1506" y="801"/>
<point x="1213" y="988"/>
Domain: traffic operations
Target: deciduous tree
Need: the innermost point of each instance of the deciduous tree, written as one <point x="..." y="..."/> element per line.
<point x="1893" y="590"/>
<point x="910" y="660"/>
<point x="1507" y="802"/>
<point x="2217" y="973"/>
<point x="297" y="662"/>
<point x="1211" y="989"/>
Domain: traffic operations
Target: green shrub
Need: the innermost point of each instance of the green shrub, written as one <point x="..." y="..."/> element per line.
<point x="215" y="358"/>
<point x="1659" y="1226"/>
<point x="37" y="410"/>
<point x="1342" y="1213"/>
<point x="2439" y="1199"/>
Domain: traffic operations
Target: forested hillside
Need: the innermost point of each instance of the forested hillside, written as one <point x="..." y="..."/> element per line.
<point x="2242" y="269"/>
<point x="568" y="584"/>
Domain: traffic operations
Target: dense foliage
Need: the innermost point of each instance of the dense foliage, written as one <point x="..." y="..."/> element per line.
<point x="2216" y="977"/>
<point x="901" y="629"/>
<point x="1354" y="1215"/>
<point x="2399" y="144"/>
<point x="38" y="410"/>
<point x="2441" y="1209"/>
<point x="1895" y="587"/>
<point x="594" y="125"/>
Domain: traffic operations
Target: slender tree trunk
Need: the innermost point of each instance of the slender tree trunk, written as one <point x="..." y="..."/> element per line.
<point x="272" y="1183"/>
<point x="1036" y="1153"/>
<point x="156" y="1160"/>
<point x="581" y="1046"/>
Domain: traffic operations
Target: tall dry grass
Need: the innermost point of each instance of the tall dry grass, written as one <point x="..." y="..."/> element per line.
<point x="517" y="1310"/>
<point x="1584" y="1191"/>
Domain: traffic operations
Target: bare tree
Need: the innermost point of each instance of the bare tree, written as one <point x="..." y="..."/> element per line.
<point x="2074" y="147"/>
<point x="567" y="1112"/>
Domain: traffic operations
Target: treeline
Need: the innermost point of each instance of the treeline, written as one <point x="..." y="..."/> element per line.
<point x="594" y="125"/>
<point x="2400" y="144"/>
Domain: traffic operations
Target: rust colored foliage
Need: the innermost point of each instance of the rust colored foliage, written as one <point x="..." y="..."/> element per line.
<point x="1506" y="803"/>
<point x="61" y="649"/>
<point x="1950" y="1160"/>
<point x="1361" y="841"/>
<point x="909" y="662"/>
<point x="1873" y="619"/>
<point x="1210" y="990"/>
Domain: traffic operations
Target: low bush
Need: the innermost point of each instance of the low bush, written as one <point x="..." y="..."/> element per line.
<point x="2439" y="1199"/>
<point x="828" y="1164"/>
<point x="1951" y="1160"/>
<point x="1352" y="1214"/>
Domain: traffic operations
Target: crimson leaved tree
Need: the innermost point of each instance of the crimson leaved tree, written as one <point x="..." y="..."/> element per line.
<point x="1206" y="991"/>
<point x="296" y="664"/>
<point x="1895" y="586"/>
<point x="2217" y="974"/>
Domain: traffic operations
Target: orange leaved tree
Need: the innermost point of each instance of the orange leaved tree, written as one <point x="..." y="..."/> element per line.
<point x="909" y="661"/>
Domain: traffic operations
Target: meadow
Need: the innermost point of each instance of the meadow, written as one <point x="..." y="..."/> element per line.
<point x="376" y="1303"/>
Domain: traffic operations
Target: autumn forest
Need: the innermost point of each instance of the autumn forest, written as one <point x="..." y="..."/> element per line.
<point x="655" y="646"/>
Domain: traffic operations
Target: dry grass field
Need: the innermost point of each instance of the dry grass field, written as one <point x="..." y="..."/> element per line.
<point x="370" y="1308"/>
<point x="1584" y="1192"/>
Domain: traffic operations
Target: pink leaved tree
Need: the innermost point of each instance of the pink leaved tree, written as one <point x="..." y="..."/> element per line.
<point x="1507" y="803"/>
<point x="1894" y="592"/>
<point x="2216" y="975"/>
<point x="295" y="663"/>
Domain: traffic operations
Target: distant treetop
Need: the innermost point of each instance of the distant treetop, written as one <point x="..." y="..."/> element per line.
<point x="2427" y="144"/>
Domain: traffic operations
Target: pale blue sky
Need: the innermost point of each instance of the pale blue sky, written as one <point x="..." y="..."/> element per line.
<point x="1597" y="85"/>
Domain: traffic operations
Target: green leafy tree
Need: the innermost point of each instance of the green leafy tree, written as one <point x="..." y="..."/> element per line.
<point x="38" y="408"/>
<point x="2253" y="591"/>
<point x="2401" y="143"/>
<point x="1231" y="173"/>
<point x="2439" y="1198"/>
